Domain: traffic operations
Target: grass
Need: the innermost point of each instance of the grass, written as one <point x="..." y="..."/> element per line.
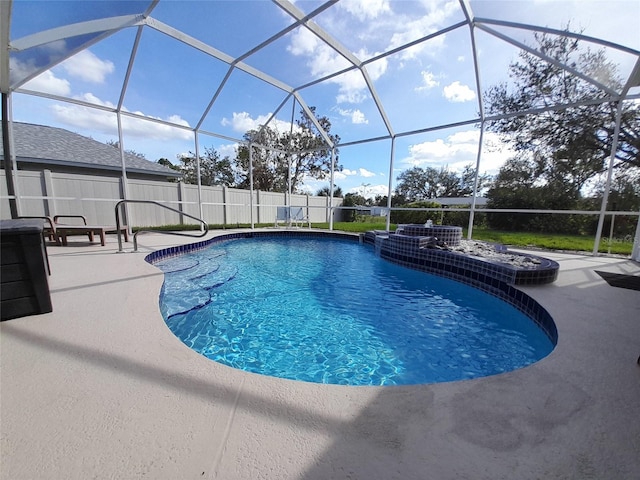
<point x="548" y="241"/>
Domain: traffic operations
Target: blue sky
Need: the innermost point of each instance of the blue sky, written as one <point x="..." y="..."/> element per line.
<point x="428" y="85"/>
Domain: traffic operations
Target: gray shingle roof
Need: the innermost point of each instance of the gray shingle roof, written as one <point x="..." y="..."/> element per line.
<point x="43" y="144"/>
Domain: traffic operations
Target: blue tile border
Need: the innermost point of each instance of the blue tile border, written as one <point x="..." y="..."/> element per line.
<point x="493" y="279"/>
<point x="158" y="255"/>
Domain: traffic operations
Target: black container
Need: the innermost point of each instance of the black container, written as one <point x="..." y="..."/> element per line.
<point x="24" y="287"/>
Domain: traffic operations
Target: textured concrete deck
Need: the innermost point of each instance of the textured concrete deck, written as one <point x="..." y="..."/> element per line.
<point x="100" y="388"/>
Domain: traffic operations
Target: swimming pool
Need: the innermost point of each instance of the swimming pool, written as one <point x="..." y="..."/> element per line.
<point x="331" y="311"/>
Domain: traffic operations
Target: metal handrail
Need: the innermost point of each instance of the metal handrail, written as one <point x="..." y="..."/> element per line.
<point x="151" y="202"/>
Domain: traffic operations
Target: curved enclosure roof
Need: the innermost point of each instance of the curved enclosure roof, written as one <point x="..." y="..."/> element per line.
<point x="410" y="70"/>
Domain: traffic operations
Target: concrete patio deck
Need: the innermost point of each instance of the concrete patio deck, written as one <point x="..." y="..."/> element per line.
<point x="100" y="388"/>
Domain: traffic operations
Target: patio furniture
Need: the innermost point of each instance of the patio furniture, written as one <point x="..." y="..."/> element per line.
<point x="24" y="288"/>
<point x="291" y="216"/>
<point x="62" y="231"/>
<point x="59" y="232"/>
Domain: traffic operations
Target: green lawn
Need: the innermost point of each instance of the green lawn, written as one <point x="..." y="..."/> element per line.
<point x="550" y="241"/>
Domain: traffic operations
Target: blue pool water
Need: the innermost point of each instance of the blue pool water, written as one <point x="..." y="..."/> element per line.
<point x="330" y="311"/>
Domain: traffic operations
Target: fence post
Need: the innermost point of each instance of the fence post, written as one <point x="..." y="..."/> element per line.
<point x="49" y="193"/>
<point x="225" y="214"/>
<point x="613" y="219"/>
<point x="181" y="198"/>
<point x="327" y="210"/>
<point x="258" y="205"/>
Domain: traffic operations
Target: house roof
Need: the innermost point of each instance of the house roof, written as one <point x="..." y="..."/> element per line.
<point x="56" y="146"/>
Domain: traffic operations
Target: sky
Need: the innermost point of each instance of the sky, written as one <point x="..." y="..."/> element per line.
<point x="429" y="85"/>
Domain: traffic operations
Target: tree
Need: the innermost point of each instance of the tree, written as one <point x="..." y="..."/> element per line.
<point x="116" y="144"/>
<point x="419" y="184"/>
<point x="561" y="152"/>
<point x="569" y="145"/>
<point x="165" y="162"/>
<point x="352" y="200"/>
<point x="519" y="185"/>
<point x="467" y="180"/>
<point x="305" y="149"/>
<point x="168" y="164"/>
<point x="325" y="192"/>
<point x="213" y="170"/>
<point x="269" y="165"/>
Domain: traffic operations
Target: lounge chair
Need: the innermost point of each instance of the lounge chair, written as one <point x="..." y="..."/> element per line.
<point x="282" y="215"/>
<point x="291" y="216"/>
<point x="58" y="232"/>
<point x="64" y="230"/>
<point x="298" y="217"/>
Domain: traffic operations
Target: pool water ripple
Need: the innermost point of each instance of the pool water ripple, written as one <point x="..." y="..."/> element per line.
<point x="330" y="311"/>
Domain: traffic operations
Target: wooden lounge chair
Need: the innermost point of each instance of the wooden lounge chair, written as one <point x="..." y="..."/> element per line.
<point x="49" y="228"/>
<point x="59" y="232"/>
<point x="63" y="230"/>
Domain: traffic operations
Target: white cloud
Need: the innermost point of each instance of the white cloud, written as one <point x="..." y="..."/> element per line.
<point x="381" y="26"/>
<point x="428" y="81"/>
<point x="84" y="65"/>
<point x="323" y="60"/>
<point x="365" y="9"/>
<point x="456" y="92"/>
<point x="417" y="26"/>
<point x="312" y="185"/>
<point x="242" y="122"/>
<point x="51" y="52"/>
<point x="88" y="67"/>
<point x="369" y="191"/>
<point x="352" y="87"/>
<point x="458" y="150"/>
<point x="228" y="150"/>
<point x="47" y="82"/>
<point x="356" y="116"/>
<point x="106" y="122"/>
<point x="361" y="172"/>
<point x="344" y="174"/>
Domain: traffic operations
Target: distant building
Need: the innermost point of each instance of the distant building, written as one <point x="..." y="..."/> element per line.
<point x="39" y="147"/>
<point x="461" y="201"/>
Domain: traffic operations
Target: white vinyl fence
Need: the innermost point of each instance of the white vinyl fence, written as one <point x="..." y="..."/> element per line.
<point x="50" y="193"/>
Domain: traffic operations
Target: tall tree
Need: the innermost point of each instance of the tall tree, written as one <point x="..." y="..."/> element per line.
<point x="419" y="184"/>
<point x="167" y="163"/>
<point x="518" y="185"/>
<point x="213" y="169"/>
<point x="467" y="181"/>
<point x="304" y="149"/>
<point x="269" y="164"/>
<point x="326" y="191"/>
<point x="116" y="144"/>
<point x="570" y="145"/>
